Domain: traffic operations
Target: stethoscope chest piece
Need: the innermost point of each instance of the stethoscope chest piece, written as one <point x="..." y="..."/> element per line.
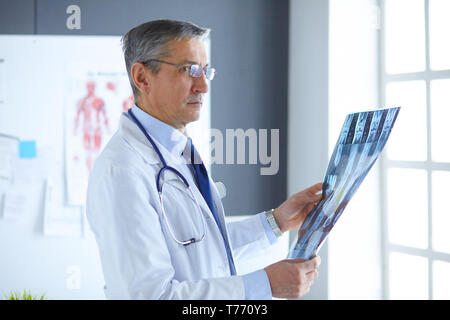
<point x="221" y="189"/>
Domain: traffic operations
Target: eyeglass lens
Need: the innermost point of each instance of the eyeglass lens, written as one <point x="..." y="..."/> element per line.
<point x="196" y="71"/>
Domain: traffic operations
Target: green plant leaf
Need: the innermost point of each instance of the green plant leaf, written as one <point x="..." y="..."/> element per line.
<point x="26" y="295"/>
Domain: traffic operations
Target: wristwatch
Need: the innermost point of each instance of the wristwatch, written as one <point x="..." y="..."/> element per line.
<point x="273" y="223"/>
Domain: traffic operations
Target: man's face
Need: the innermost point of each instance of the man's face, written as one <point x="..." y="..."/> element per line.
<point x="174" y="96"/>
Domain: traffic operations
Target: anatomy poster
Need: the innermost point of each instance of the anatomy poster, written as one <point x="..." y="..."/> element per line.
<point x="361" y="140"/>
<point x="96" y="92"/>
<point x="94" y="103"/>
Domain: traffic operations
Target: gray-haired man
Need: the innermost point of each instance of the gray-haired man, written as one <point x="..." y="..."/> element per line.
<point x="156" y="213"/>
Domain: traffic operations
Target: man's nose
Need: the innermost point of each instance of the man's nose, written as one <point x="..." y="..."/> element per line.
<point x="200" y="85"/>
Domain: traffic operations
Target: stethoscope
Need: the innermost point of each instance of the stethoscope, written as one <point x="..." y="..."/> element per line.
<point x="159" y="186"/>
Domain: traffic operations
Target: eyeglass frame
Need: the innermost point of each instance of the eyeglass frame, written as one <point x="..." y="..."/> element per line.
<point x="187" y="67"/>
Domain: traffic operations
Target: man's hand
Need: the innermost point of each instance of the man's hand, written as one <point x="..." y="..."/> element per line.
<point x="291" y="213"/>
<point x="292" y="278"/>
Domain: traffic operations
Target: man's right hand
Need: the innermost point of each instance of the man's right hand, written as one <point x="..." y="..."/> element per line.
<point x="292" y="278"/>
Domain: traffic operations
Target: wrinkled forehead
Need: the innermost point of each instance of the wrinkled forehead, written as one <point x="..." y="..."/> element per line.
<point x="188" y="51"/>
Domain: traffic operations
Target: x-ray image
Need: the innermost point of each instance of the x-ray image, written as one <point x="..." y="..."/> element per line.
<point x="362" y="138"/>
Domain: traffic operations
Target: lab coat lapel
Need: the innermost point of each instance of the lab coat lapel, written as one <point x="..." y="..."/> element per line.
<point x="203" y="205"/>
<point x="133" y="135"/>
<point x="179" y="164"/>
<point x="184" y="170"/>
<point x="219" y="207"/>
<point x="137" y="140"/>
<point x="202" y="202"/>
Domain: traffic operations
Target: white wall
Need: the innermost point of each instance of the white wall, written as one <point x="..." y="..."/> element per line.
<point x="308" y="107"/>
<point x="43" y="76"/>
<point x="354" y="244"/>
<point x="62" y="267"/>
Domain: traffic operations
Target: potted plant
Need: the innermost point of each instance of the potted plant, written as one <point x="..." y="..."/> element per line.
<point x="26" y="295"/>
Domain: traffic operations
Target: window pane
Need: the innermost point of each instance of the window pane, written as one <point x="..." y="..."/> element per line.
<point x="441" y="280"/>
<point x="405" y="36"/>
<point x="408" y="140"/>
<point x="407" y="207"/>
<point x="441" y="211"/>
<point x="439" y="39"/>
<point x="408" y="276"/>
<point x="440" y="114"/>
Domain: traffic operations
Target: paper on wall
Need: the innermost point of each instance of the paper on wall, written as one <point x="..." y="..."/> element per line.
<point x="16" y="202"/>
<point x="39" y="168"/>
<point x="60" y="220"/>
<point x="8" y="156"/>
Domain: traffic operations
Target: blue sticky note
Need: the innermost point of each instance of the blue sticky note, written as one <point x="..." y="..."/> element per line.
<point x="27" y="149"/>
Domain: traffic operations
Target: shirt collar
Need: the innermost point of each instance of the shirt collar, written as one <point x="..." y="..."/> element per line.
<point x="169" y="137"/>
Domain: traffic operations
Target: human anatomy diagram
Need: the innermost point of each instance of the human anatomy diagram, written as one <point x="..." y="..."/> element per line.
<point x="128" y="103"/>
<point x="92" y="110"/>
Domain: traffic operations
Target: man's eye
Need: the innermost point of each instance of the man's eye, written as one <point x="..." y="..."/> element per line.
<point x="185" y="68"/>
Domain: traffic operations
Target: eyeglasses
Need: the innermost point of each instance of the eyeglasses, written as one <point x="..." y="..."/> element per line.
<point x="195" y="70"/>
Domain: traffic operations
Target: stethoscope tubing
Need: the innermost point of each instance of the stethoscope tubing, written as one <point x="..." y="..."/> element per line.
<point x="159" y="186"/>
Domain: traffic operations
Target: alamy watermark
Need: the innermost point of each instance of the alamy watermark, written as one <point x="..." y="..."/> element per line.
<point x="236" y="146"/>
<point x="73" y="21"/>
<point x="73" y="280"/>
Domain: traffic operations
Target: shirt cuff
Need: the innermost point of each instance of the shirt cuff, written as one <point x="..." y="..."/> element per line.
<point x="257" y="286"/>
<point x="268" y="229"/>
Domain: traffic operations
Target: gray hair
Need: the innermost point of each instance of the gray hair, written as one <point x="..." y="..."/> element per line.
<point x="150" y="41"/>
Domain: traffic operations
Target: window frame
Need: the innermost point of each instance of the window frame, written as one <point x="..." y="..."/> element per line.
<point x="430" y="166"/>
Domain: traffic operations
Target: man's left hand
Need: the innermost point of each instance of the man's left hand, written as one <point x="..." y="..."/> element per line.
<point x="291" y="213"/>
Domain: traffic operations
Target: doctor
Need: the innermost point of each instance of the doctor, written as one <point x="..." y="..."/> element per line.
<point x="155" y="212"/>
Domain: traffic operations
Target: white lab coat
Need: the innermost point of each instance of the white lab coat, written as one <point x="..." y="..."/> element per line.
<point x="139" y="257"/>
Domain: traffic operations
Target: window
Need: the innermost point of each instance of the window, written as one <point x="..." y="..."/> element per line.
<point x="415" y="74"/>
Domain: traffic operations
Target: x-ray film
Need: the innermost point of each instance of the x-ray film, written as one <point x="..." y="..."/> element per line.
<point x="363" y="137"/>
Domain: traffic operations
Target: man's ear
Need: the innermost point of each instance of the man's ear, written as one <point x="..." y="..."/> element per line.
<point x="139" y="74"/>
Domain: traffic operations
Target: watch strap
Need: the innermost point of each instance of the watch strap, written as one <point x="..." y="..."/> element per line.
<point x="273" y="223"/>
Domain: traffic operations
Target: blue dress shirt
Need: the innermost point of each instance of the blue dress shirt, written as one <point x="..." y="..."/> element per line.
<point x="256" y="284"/>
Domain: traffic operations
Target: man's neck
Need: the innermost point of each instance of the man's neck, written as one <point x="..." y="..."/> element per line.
<point x="150" y="111"/>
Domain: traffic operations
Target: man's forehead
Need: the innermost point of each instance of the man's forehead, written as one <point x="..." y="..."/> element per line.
<point x="188" y="51"/>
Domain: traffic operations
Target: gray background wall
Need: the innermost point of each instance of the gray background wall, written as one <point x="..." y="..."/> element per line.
<point x="308" y="97"/>
<point x="253" y="44"/>
<point x="249" y="49"/>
